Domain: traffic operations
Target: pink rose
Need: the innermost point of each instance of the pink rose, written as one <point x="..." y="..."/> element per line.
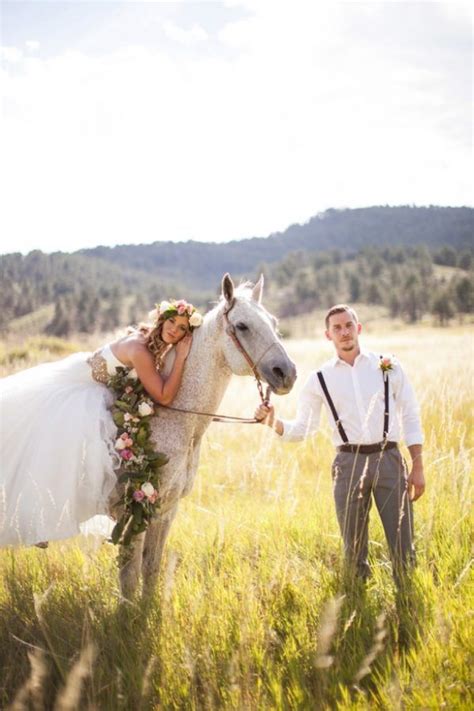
<point x="124" y="435"/>
<point x="190" y="309"/>
<point x="386" y="362"/>
<point x="181" y="310"/>
<point x="153" y="497"/>
<point x="126" y="454"/>
<point x="138" y="495"/>
<point x="129" y="389"/>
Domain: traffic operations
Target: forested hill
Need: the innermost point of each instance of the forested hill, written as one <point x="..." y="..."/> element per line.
<point x="200" y="265"/>
<point x="381" y="255"/>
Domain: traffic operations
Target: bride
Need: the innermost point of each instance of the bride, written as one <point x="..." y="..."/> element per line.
<point x="58" y="436"/>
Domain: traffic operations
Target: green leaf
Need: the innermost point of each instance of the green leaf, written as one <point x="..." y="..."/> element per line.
<point x="159" y="459"/>
<point x="122" y="405"/>
<point x="127" y="476"/>
<point x="141" y="436"/>
<point x="118" y="528"/>
<point x="139" y="528"/>
<point x="137" y="511"/>
<point x="118" y="418"/>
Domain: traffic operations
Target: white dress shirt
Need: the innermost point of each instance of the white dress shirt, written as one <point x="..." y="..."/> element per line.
<point x="357" y="392"/>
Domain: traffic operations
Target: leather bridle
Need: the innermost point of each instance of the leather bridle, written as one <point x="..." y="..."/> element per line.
<point x="230" y="330"/>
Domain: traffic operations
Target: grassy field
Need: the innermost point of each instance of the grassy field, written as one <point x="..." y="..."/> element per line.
<point x="252" y="610"/>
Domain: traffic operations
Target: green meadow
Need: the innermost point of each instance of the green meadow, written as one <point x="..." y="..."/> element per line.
<point x="253" y="610"/>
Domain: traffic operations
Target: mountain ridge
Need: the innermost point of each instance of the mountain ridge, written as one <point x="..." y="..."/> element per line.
<point x="348" y="230"/>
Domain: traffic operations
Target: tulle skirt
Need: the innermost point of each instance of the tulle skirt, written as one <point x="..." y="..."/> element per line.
<point x="58" y="463"/>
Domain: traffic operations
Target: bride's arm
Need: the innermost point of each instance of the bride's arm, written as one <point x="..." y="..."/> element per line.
<point x="160" y="389"/>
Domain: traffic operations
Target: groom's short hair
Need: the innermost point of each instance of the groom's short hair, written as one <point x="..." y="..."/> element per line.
<point x="339" y="309"/>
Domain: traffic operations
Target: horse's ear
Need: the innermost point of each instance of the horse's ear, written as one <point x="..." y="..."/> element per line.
<point x="227" y="288"/>
<point x="257" y="290"/>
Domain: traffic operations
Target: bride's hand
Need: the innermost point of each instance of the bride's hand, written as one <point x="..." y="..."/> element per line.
<point x="184" y="346"/>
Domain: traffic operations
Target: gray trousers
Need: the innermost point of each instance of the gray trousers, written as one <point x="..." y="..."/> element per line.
<point x="383" y="475"/>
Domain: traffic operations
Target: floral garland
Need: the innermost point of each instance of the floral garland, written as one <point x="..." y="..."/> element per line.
<point x="180" y="308"/>
<point x="140" y="470"/>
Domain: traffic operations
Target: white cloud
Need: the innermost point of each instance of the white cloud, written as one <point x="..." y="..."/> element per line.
<point x="10" y="55"/>
<point x="32" y="45"/>
<point x="189" y="37"/>
<point x="293" y="111"/>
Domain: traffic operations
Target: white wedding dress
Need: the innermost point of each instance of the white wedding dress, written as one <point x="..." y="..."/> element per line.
<point x="58" y="462"/>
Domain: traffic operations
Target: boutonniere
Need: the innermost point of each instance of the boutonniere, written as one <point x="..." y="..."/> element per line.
<point x="386" y="363"/>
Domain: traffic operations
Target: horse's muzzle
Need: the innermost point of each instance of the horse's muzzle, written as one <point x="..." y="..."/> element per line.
<point x="280" y="375"/>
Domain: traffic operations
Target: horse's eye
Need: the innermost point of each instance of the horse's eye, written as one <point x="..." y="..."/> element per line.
<point x="241" y="326"/>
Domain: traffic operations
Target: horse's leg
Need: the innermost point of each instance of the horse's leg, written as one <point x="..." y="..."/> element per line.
<point x="130" y="571"/>
<point x="153" y="549"/>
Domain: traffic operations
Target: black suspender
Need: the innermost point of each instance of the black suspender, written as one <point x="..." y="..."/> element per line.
<point x="338" y="422"/>
<point x="332" y="408"/>
<point x="386" y="405"/>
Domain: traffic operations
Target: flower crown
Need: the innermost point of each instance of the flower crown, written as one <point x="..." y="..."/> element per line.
<point x="180" y="308"/>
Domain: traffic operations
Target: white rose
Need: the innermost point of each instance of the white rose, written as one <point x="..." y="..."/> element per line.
<point x="195" y="320"/>
<point x="144" y="409"/>
<point x="164" y="306"/>
<point x="120" y="444"/>
<point x="132" y="374"/>
<point x="148" y="488"/>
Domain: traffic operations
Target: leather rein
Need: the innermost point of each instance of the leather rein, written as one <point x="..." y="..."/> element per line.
<point x="264" y="397"/>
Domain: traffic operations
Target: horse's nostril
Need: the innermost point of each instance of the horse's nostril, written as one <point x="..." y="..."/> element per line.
<point x="279" y="373"/>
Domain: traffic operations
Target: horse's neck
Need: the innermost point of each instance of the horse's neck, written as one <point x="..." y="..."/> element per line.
<point x="206" y="375"/>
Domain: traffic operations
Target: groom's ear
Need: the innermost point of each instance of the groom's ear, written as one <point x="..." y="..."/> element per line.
<point x="227" y="288"/>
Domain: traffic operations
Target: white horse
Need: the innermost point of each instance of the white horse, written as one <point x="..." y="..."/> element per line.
<point x="213" y="358"/>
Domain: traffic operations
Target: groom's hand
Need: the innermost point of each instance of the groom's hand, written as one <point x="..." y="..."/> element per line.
<point x="265" y="414"/>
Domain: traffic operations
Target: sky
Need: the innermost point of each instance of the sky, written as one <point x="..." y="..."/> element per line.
<point x="131" y="122"/>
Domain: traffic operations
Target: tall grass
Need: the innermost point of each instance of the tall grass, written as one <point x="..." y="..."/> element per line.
<point x="253" y="610"/>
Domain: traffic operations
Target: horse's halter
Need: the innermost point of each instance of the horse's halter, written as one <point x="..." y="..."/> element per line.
<point x="230" y="330"/>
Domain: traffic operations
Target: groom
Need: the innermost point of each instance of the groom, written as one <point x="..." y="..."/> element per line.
<point x="365" y="395"/>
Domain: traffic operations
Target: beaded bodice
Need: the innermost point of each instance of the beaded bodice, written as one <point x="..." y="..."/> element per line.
<point x="103" y="364"/>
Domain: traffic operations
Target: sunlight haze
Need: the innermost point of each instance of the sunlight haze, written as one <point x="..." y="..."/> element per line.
<point x="130" y="122"/>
